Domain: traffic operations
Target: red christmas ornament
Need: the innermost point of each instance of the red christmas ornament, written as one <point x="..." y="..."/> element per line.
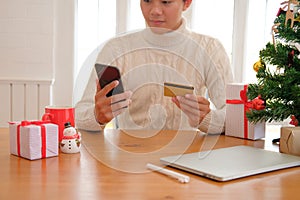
<point x="294" y="121"/>
<point x="258" y="103"/>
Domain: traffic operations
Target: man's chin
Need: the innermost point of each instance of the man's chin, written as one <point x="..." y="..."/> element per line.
<point x="159" y="30"/>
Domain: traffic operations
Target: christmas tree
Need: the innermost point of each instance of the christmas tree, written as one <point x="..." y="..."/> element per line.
<point x="278" y="70"/>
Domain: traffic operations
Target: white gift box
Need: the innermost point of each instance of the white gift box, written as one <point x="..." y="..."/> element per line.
<point x="237" y="124"/>
<point x="290" y="140"/>
<point x="33" y="140"/>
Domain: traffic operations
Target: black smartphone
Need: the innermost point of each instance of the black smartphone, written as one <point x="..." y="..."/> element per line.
<point x="106" y="74"/>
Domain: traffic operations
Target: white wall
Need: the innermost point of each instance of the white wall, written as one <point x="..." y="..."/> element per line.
<point x="26" y="39"/>
<point x="64" y="51"/>
<point x="37" y="43"/>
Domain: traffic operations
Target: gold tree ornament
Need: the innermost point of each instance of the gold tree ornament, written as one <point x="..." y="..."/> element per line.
<point x="258" y="65"/>
<point x="297" y="13"/>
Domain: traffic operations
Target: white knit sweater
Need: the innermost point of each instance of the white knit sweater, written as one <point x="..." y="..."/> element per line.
<point x="147" y="60"/>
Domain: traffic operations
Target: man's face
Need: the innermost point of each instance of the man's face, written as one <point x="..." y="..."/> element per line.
<point x="160" y="14"/>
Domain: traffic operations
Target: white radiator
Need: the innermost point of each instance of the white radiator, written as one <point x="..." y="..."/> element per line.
<point x="23" y="99"/>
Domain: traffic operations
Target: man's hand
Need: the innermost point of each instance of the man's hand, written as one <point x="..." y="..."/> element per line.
<point x="106" y="108"/>
<point x="195" y="107"/>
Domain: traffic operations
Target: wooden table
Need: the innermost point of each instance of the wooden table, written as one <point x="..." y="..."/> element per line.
<point x="111" y="165"/>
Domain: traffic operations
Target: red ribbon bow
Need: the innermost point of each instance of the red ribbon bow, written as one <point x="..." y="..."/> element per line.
<point x="257" y="103"/>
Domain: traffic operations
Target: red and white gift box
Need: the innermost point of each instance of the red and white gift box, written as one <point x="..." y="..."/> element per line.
<point x="237" y="124"/>
<point x="33" y="139"/>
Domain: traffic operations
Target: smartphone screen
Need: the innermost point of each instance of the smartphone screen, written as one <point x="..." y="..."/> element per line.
<point x="106" y="74"/>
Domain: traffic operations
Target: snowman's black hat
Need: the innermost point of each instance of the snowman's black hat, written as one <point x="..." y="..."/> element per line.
<point x="68" y="125"/>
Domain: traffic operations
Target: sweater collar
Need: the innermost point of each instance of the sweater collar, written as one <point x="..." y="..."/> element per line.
<point x="166" y="39"/>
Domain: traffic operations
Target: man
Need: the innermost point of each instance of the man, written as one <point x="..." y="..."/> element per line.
<point x="166" y="51"/>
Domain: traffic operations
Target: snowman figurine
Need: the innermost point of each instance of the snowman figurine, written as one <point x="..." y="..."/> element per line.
<point x="70" y="142"/>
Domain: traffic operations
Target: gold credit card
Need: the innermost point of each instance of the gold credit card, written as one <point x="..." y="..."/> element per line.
<point x="173" y="89"/>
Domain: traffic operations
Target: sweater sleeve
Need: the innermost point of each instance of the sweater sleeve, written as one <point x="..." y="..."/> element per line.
<point x="84" y="109"/>
<point x="218" y="74"/>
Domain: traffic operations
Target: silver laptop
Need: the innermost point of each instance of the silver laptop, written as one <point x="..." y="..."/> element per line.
<point x="232" y="162"/>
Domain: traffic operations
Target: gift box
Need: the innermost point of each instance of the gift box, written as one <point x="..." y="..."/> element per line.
<point x="237" y="124"/>
<point x="33" y="139"/>
<point x="290" y="140"/>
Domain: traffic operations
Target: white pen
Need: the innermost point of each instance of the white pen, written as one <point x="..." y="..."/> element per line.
<point x="180" y="177"/>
